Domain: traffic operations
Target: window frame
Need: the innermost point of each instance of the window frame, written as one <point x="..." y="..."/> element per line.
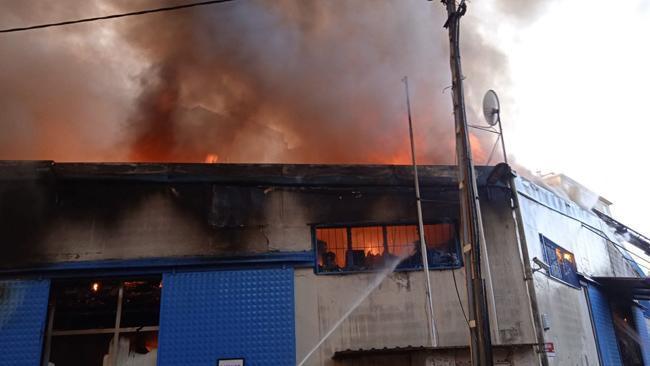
<point x="547" y="243"/>
<point x="116" y="330"/>
<point x="383" y="225"/>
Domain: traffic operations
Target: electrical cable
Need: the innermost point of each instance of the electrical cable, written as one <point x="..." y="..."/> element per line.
<point x="113" y="16"/>
<point x="604" y="236"/>
<point x="460" y="302"/>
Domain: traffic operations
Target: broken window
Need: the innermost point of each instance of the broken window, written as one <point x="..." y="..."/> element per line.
<point x="107" y="322"/>
<point x="362" y="248"/>
<point x="561" y="262"/>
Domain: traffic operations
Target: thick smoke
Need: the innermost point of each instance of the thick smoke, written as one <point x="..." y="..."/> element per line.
<point x="249" y="81"/>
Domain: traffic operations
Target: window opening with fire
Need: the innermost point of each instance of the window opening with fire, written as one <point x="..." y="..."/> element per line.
<point x="103" y="322"/>
<point x="368" y="247"/>
<point x="561" y="262"/>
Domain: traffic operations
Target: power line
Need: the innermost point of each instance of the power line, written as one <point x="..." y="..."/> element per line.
<point x="589" y="227"/>
<point x="604" y="236"/>
<point x="113" y="16"/>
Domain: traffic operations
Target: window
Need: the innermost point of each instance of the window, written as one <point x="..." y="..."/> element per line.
<point x="561" y="262"/>
<point x="103" y="322"/>
<point x="365" y="248"/>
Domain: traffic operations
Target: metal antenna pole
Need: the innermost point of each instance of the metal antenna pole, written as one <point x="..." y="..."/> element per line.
<point x="472" y="227"/>
<point x="503" y="143"/>
<point x="423" y="244"/>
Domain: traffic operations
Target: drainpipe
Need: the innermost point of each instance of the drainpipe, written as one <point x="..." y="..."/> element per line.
<point x="528" y="272"/>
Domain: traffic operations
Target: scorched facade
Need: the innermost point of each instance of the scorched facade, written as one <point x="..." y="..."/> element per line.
<point x="196" y="264"/>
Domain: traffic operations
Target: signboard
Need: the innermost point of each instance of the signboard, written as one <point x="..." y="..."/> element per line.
<point x="549" y="348"/>
<point x="230" y="362"/>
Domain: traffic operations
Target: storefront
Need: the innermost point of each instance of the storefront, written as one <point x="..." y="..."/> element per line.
<point x="155" y="313"/>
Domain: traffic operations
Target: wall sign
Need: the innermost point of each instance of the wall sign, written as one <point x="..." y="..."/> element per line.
<point x="549" y="348"/>
<point x="230" y="362"/>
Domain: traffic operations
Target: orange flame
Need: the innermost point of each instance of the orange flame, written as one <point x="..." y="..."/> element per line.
<point x="211" y="158"/>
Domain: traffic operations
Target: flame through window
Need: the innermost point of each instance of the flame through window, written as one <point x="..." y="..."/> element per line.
<point x="103" y="322"/>
<point x="560" y="261"/>
<point x="359" y="248"/>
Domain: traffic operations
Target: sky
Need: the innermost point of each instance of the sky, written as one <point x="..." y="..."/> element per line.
<point x="317" y="81"/>
<point x="578" y="99"/>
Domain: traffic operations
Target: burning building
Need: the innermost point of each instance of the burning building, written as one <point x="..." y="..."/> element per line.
<point x="269" y="264"/>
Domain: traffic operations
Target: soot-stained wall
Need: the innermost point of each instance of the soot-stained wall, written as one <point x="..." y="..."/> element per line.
<point x="57" y="219"/>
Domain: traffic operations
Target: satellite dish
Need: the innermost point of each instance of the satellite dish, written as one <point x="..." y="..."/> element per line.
<point x="491" y="109"/>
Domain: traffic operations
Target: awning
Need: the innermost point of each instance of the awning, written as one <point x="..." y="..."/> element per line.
<point x="365" y="352"/>
<point x="354" y="353"/>
<point x="631" y="287"/>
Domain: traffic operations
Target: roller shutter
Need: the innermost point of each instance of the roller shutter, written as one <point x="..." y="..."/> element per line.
<point x="644" y="337"/>
<point x="604" y="327"/>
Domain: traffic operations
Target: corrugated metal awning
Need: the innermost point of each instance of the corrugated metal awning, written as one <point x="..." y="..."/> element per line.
<point x="632" y="287"/>
<point x="363" y="352"/>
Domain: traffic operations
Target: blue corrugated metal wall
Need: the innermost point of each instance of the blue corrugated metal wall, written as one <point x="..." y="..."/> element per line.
<point x="605" y="335"/>
<point x="642" y="330"/>
<point x="247" y="314"/>
<point x="23" y="310"/>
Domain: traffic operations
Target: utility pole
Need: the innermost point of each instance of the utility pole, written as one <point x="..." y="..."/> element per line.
<point x="471" y="222"/>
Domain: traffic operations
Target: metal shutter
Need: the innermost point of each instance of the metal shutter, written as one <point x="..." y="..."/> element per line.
<point x="247" y="314"/>
<point x="605" y="335"/>
<point x="23" y="310"/>
<point x="642" y="330"/>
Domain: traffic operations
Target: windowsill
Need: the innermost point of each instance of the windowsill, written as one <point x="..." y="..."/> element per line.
<point x="560" y="280"/>
<point x="366" y="271"/>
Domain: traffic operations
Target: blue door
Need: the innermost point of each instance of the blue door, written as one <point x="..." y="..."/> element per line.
<point x="207" y="316"/>
<point x="604" y="327"/>
<point x="23" y="310"/>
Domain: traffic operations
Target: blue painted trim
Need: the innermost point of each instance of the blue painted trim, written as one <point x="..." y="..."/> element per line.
<point x="397" y="270"/>
<point x="159" y="265"/>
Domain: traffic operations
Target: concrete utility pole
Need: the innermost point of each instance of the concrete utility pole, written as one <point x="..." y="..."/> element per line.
<point x="471" y="222"/>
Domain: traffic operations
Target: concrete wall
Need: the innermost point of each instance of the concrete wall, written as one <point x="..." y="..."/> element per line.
<point x="514" y="322"/>
<point x="394" y="315"/>
<point x="580" y="232"/>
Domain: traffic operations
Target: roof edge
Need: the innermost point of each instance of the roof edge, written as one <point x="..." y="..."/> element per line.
<point x="276" y="174"/>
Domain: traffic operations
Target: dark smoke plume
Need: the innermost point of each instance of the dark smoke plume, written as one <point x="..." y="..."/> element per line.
<point x="249" y="81"/>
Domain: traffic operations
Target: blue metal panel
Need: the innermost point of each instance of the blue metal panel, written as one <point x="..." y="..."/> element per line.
<point x="605" y="335"/>
<point x="23" y="309"/>
<point x="158" y="265"/>
<point x="206" y="316"/>
<point x="644" y="337"/>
